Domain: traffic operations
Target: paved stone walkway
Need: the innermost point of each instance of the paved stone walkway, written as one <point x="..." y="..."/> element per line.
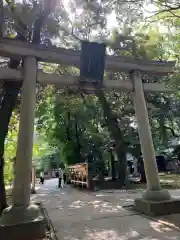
<point x="100" y="216"/>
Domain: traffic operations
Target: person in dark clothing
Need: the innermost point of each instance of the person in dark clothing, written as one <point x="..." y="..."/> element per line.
<point x="64" y="177"/>
<point x="59" y="182"/>
<point x="57" y="174"/>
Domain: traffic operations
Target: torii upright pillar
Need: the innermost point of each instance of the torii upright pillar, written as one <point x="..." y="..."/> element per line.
<point x="23" y="220"/>
<point x="150" y="203"/>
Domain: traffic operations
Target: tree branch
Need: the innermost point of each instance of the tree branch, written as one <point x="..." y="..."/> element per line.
<point x="38" y="24"/>
<point x="172" y="131"/>
<point x="167" y="8"/>
<point x="21" y="27"/>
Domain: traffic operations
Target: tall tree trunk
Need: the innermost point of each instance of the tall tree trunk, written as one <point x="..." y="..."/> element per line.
<point x="68" y="126"/>
<point x="101" y="168"/>
<point x="164" y="134"/>
<point x="115" y="131"/>
<point x="1" y="18"/>
<point x="3" y="203"/>
<point x="78" y="145"/>
<point x="113" y="170"/>
<point x="141" y="170"/>
<point x="11" y="91"/>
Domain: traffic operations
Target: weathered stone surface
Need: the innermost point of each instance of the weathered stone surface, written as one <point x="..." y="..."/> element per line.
<point x="160" y="195"/>
<point x="22" y="223"/>
<point x="123" y="228"/>
<point x="99" y="215"/>
<point x="31" y="230"/>
<point x="152" y="208"/>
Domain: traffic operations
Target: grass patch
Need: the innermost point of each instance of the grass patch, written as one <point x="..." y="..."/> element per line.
<point x="167" y="180"/>
<point x="170" y="180"/>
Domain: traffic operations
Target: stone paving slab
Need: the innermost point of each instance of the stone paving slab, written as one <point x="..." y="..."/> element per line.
<point x="126" y="197"/>
<point x="61" y="206"/>
<point x="99" y="216"/>
<point x="117" y="228"/>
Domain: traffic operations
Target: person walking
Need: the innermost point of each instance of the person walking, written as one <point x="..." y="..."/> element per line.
<point x="60" y="178"/>
<point x="64" y="176"/>
<point x="42" y="177"/>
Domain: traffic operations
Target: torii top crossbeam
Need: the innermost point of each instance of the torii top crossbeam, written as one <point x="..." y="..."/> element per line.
<point x="10" y="48"/>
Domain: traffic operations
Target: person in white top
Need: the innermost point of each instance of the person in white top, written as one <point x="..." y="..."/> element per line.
<point x="42" y="177"/>
<point x="60" y="183"/>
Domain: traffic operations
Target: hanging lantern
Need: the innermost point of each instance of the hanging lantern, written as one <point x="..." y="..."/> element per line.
<point x="92" y="62"/>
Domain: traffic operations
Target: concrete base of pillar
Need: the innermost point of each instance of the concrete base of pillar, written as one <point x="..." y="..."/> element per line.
<point x="22" y="223"/>
<point x="153" y="209"/>
<point x="157" y="196"/>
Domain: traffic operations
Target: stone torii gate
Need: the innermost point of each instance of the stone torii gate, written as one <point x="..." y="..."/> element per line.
<point x="22" y="214"/>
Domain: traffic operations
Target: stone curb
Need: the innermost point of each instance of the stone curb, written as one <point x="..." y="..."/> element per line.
<point x="131" y="207"/>
<point x="49" y="225"/>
